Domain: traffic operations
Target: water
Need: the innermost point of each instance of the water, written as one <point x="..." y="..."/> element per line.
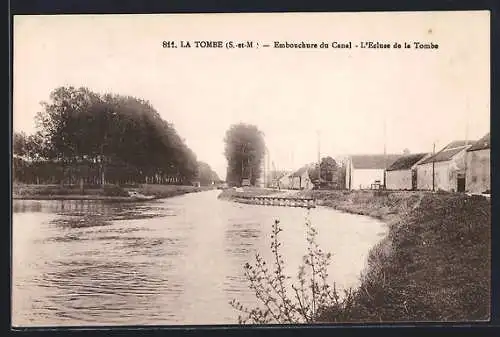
<point x="165" y="262"/>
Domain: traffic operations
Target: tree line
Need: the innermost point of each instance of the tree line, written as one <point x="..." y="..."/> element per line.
<point x="90" y="138"/>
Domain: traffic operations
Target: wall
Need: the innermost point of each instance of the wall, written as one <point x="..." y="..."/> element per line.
<point x="442" y="179"/>
<point x="363" y="179"/>
<point x="424" y="177"/>
<point x="478" y="178"/>
<point x="302" y="182"/>
<point x="398" y="180"/>
<point x="445" y="174"/>
<point x="457" y="167"/>
<point x="306" y="182"/>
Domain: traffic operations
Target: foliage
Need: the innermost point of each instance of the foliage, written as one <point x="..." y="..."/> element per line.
<point x="281" y="302"/>
<point x="19" y="140"/>
<point x="108" y="139"/>
<point x="31" y="147"/>
<point x="244" y="151"/>
<point x="329" y="170"/>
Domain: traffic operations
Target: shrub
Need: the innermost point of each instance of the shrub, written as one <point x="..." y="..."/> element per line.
<point x="310" y="297"/>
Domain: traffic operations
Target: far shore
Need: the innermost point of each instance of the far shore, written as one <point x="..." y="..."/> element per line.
<point x="112" y="194"/>
<point x="80" y="197"/>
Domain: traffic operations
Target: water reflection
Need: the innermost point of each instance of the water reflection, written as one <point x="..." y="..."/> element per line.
<point x="175" y="261"/>
<point x="23" y="206"/>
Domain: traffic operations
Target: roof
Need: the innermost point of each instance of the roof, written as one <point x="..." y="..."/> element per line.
<point x="448" y="152"/>
<point x="481" y="144"/>
<point x="300" y="171"/>
<point x="458" y="143"/>
<point x="406" y="162"/>
<point x="283" y="175"/>
<point x="373" y="161"/>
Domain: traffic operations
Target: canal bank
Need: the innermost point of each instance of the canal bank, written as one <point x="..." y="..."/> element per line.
<point x="434" y="263"/>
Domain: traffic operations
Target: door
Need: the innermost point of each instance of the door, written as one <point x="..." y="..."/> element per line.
<point x="414" y="179"/>
<point x="460" y="183"/>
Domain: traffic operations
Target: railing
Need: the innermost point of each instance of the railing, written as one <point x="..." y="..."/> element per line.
<point x="279" y="201"/>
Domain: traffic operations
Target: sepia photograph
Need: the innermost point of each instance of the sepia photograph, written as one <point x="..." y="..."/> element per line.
<point x="250" y="169"/>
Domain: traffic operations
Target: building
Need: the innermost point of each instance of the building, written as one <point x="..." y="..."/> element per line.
<point x="285" y="182"/>
<point x="282" y="180"/>
<point x="477" y="176"/>
<point x="300" y="179"/>
<point x="402" y="174"/>
<point x="367" y="171"/>
<point x="445" y="170"/>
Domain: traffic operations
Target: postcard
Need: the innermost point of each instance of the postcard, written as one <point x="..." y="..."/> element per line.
<point x="244" y="168"/>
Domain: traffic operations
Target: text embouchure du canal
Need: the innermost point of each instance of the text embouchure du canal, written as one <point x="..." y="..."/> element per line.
<point x="301" y="45"/>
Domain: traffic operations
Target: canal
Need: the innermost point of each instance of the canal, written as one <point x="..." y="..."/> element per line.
<point x="164" y="262"/>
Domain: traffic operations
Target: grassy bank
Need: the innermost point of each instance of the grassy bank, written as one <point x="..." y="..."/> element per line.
<point x="108" y="192"/>
<point x="434" y="265"/>
<point x="167" y="191"/>
<point x="384" y="205"/>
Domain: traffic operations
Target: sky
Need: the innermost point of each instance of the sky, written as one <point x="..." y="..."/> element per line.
<point x="337" y="101"/>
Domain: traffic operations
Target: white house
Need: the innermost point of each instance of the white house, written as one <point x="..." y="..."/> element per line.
<point x="367" y="171"/>
<point x="300" y="179"/>
<point x="402" y="174"/>
<point x="478" y="176"/>
<point x="444" y="170"/>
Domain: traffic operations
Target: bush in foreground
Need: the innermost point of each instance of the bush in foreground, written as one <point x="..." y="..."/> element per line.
<point x="307" y="301"/>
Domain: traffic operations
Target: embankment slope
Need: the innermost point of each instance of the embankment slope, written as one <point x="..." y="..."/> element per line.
<point x="434" y="264"/>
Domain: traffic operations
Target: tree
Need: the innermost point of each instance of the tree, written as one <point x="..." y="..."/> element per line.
<point x="30" y="152"/>
<point x="19" y="140"/>
<point x="328" y="167"/>
<point x="244" y="151"/>
<point x="19" y="144"/>
<point x="328" y="170"/>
